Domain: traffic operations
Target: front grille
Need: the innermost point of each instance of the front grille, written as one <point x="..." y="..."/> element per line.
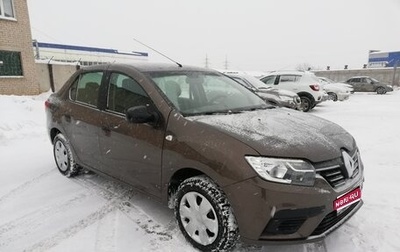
<point x="334" y="175"/>
<point x="335" y="172"/>
<point x="331" y="219"/>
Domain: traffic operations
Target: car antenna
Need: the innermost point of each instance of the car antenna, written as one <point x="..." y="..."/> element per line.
<point x="180" y="65"/>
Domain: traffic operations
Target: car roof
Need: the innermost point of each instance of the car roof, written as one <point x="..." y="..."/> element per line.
<point x="150" y="67"/>
<point x="361" y="76"/>
<point x="294" y="72"/>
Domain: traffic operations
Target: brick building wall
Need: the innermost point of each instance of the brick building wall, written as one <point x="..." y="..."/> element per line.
<point x="15" y="35"/>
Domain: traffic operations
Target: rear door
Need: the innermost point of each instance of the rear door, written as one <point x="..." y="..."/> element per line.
<point x="356" y="82"/>
<point x="289" y="82"/>
<point x="130" y="152"/>
<point x="81" y="117"/>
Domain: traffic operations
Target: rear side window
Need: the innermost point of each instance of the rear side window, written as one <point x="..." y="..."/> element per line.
<point x="355" y="80"/>
<point x="124" y="93"/>
<point x="289" y="78"/>
<point x="85" y="89"/>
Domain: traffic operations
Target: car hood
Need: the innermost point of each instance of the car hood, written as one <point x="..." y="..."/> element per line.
<point x="283" y="133"/>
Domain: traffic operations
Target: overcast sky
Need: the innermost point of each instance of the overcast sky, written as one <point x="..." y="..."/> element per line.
<point x="253" y="35"/>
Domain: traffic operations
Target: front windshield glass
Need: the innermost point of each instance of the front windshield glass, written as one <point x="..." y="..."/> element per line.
<point x="256" y="82"/>
<point x="194" y="93"/>
<point x="375" y="80"/>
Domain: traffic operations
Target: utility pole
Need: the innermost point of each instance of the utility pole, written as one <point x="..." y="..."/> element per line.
<point x="206" y="61"/>
<point x="226" y="62"/>
<point x="394" y="73"/>
<point x="35" y="42"/>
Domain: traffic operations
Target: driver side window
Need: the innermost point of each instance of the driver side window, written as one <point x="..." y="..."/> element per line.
<point x="124" y="93"/>
<point x="368" y="81"/>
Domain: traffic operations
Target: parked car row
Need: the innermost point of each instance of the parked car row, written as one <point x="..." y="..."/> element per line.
<point x="228" y="164"/>
<point x="313" y="90"/>
<point x="286" y="88"/>
<point x="274" y="96"/>
<point x="305" y="84"/>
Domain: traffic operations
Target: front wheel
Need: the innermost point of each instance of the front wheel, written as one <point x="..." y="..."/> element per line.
<point x="205" y="216"/>
<point x="63" y="156"/>
<point x="381" y="90"/>
<point x="332" y="96"/>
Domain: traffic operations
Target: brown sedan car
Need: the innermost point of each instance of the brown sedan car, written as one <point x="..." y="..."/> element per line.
<point x="228" y="163"/>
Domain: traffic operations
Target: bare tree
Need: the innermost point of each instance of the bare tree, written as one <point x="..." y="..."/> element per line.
<point x="305" y="67"/>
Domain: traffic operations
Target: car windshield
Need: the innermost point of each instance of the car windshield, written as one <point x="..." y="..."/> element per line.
<point x="195" y="93"/>
<point x="374" y="80"/>
<point x="256" y="82"/>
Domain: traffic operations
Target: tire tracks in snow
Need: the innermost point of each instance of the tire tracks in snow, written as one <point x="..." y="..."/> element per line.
<point x="25" y="186"/>
<point x="73" y="229"/>
<point x="117" y="196"/>
<point x="126" y="205"/>
<point x="25" y="225"/>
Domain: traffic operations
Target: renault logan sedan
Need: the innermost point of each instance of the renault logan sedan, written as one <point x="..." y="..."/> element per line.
<point x="230" y="165"/>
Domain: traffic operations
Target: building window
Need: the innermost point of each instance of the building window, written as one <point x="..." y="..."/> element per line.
<point x="10" y="63"/>
<point x="7" y="9"/>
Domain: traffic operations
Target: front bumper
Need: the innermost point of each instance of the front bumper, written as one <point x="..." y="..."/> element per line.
<point x="343" y="96"/>
<point x="275" y="213"/>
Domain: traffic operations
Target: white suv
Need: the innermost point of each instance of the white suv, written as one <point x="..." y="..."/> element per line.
<point x="305" y="84"/>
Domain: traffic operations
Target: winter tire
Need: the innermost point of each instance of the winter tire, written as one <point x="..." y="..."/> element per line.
<point x="381" y="90"/>
<point x="63" y="156"/>
<point x="332" y="96"/>
<point x="306" y="104"/>
<point x="205" y="216"/>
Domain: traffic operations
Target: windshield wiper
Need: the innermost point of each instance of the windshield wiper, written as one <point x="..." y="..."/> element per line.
<point x="218" y="112"/>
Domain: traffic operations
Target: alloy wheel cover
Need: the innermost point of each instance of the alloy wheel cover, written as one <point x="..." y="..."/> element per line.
<point x="61" y="155"/>
<point x="198" y="218"/>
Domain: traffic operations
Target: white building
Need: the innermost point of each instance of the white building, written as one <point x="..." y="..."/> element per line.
<point x="84" y="55"/>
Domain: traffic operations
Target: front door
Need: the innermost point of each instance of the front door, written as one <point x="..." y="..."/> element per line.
<point x="130" y="152"/>
<point x="368" y="85"/>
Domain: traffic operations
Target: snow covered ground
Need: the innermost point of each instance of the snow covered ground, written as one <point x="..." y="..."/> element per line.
<point x="40" y="210"/>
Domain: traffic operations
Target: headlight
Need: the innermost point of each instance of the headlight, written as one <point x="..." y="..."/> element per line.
<point x="286" y="171"/>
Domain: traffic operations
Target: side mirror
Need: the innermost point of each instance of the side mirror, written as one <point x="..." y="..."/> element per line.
<point x="140" y="114"/>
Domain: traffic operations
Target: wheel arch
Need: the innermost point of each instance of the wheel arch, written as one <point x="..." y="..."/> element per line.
<point x="308" y="95"/>
<point x="177" y="178"/>
<point x="53" y="133"/>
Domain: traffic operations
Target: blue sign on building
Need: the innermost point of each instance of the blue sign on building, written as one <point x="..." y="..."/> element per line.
<point x="384" y="59"/>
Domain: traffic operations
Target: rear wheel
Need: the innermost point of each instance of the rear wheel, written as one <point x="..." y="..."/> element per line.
<point x="63" y="156"/>
<point x="205" y="216"/>
<point x="306" y="104"/>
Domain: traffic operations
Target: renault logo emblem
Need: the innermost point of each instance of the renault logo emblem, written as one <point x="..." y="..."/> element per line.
<point x="348" y="163"/>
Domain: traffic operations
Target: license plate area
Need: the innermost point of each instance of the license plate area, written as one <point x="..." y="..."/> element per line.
<point x="347" y="199"/>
